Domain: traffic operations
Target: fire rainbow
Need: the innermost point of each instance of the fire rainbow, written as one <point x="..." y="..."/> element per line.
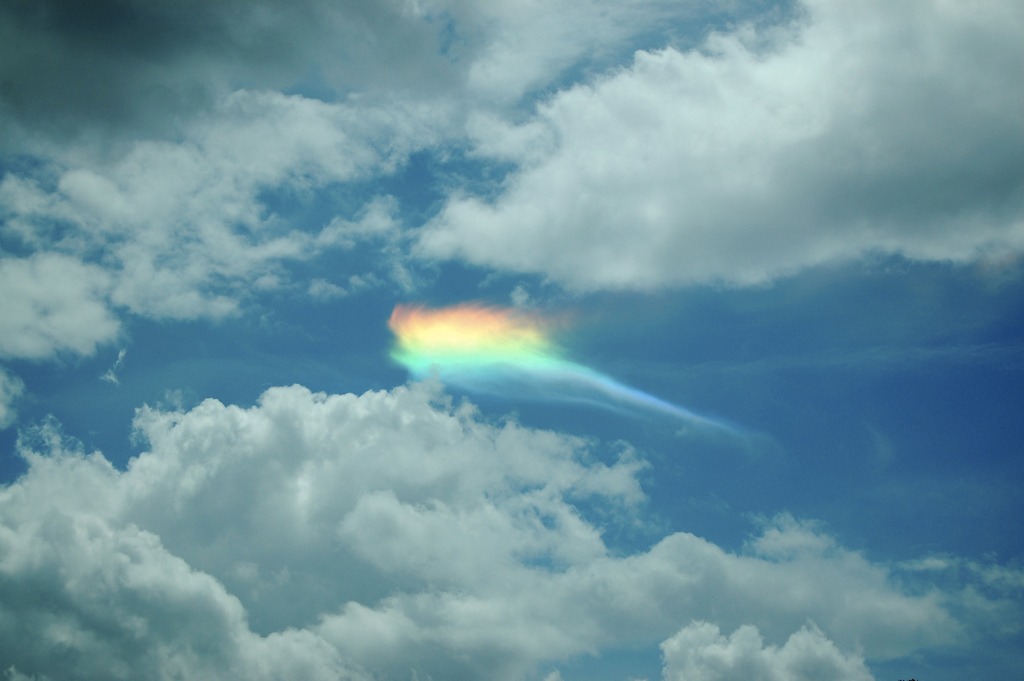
<point x="506" y="351"/>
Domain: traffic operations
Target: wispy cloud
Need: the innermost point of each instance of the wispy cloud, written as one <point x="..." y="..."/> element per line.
<point x="11" y="389"/>
<point x="111" y="374"/>
<point x="511" y="352"/>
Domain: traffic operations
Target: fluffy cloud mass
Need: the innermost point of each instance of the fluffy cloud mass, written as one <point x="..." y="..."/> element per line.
<point x="856" y="128"/>
<point x="53" y="303"/>
<point x="331" y="536"/>
<point x="700" y="653"/>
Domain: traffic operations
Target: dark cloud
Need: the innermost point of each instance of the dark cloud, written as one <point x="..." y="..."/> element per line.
<point x="123" y="66"/>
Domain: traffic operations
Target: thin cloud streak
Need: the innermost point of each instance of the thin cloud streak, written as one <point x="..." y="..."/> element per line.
<point x="509" y="352"/>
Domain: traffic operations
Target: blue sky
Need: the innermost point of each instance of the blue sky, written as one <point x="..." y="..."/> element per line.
<point x="804" y="219"/>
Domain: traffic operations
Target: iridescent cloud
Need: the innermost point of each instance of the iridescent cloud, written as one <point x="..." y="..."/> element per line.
<point x="507" y="351"/>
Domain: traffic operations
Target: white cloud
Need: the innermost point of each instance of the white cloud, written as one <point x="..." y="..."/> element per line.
<point x="12" y="674"/>
<point x="183" y="229"/>
<point x="700" y="652"/>
<point x="11" y="388"/>
<point x="524" y="46"/>
<point x="111" y="374"/>
<point x="520" y="296"/>
<point x="859" y="128"/>
<point x="1002" y="578"/>
<point x="321" y="289"/>
<point x="377" y="221"/>
<point x="87" y="596"/>
<point x="88" y="600"/>
<point x="52" y="303"/>
<point x="389" y="532"/>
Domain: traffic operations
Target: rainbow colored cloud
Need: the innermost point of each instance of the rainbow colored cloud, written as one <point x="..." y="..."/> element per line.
<point x="507" y="351"/>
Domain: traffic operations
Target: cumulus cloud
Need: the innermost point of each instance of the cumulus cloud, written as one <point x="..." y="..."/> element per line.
<point x="874" y="127"/>
<point x="700" y="652"/>
<point x="88" y="598"/>
<point x="52" y="303"/>
<point x="314" y="536"/>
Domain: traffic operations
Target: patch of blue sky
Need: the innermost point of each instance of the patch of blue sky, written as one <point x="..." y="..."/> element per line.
<point x="613" y="664"/>
<point x="433" y="174"/>
<point x="28" y="165"/>
<point x="233" y="360"/>
<point x="312" y="208"/>
<point x="860" y="405"/>
<point x="418" y="185"/>
<point x="951" y="664"/>
<point x="449" y="38"/>
<point x="312" y="84"/>
<point x="867" y="388"/>
<point x="24" y="168"/>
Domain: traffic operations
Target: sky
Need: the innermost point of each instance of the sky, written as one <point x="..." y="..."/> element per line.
<point x="506" y="340"/>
